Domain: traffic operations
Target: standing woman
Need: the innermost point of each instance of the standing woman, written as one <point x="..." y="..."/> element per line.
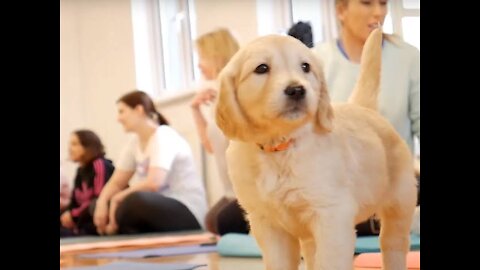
<point x="399" y="99"/>
<point x="215" y="49"/>
<point x="92" y="174"/>
<point x="155" y="187"/>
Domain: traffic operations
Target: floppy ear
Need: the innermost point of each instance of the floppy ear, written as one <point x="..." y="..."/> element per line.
<point x="228" y="115"/>
<point x="323" y="120"/>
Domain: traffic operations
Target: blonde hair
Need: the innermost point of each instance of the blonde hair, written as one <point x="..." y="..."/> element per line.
<point x="219" y="46"/>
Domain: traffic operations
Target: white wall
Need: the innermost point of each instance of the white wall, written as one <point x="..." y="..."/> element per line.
<point x="239" y="16"/>
<point x="96" y="67"/>
<point x="71" y="98"/>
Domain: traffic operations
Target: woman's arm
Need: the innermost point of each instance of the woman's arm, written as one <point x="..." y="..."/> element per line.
<point x="154" y="181"/>
<point x="100" y="175"/>
<point x="203" y="97"/>
<point x="414" y="98"/>
<point x="117" y="183"/>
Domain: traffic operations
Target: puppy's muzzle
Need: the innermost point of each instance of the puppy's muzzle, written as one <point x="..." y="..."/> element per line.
<point x="295" y="92"/>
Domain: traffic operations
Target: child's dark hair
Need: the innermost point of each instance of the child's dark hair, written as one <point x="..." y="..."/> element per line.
<point x="303" y="32"/>
<point x="136" y="97"/>
<point x="91" y="142"/>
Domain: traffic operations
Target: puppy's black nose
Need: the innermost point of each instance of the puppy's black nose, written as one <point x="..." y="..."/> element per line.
<point x="295" y="92"/>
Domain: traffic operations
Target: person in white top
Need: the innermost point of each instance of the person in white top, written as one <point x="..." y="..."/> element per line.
<point x="166" y="193"/>
<point x="399" y="99"/>
<point x="215" y="49"/>
<point x="64" y="191"/>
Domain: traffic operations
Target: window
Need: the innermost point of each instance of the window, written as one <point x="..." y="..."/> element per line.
<point x="411" y="4"/>
<point x="273" y="16"/>
<point x="163" y="49"/>
<point x="411" y="30"/>
<point x="405" y="16"/>
<point x="309" y="11"/>
<point x="176" y="44"/>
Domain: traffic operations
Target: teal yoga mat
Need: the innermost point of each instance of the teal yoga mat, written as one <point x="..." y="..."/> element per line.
<point x="243" y="245"/>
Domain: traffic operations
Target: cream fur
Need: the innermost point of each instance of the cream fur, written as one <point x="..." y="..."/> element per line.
<point x="346" y="163"/>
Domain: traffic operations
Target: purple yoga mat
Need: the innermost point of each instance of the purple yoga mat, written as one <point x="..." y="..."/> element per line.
<point x="154" y="252"/>
<point x="139" y="266"/>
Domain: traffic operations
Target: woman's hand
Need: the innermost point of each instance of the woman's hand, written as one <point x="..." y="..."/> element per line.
<point x="203" y="97"/>
<point x="111" y="229"/>
<point x="112" y="226"/>
<point x="100" y="217"/>
<point x="67" y="220"/>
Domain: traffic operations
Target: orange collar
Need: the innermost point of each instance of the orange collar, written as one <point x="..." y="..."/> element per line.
<point x="279" y="147"/>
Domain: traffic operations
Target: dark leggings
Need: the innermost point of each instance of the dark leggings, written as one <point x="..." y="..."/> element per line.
<point x="226" y="216"/>
<point x="142" y="212"/>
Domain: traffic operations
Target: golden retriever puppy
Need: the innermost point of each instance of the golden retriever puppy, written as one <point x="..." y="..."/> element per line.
<point x="307" y="171"/>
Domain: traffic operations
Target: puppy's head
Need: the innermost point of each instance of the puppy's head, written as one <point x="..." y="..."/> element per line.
<point x="271" y="87"/>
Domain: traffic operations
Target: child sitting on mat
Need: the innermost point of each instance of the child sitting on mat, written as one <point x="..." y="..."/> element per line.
<point x="92" y="174"/>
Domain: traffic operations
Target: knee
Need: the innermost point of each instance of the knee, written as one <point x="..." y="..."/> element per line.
<point x="225" y="222"/>
<point x="213" y="214"/>
<point x="231" y="219"/>
<point x="134" y="198"/>
<point x="128" y="207"/>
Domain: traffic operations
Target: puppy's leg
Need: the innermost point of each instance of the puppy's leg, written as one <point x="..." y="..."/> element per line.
<point x="280" y="250"/>
<point x="396" y="219"/>
<point x="334" y="233"/>
<point x="308" y="252"/>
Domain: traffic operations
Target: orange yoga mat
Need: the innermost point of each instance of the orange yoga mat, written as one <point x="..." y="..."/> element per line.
<point x="374" y="261"/>
<point x="165" y="240"/>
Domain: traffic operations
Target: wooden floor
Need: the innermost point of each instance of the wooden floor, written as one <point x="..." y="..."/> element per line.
<point x="212" y="260"/>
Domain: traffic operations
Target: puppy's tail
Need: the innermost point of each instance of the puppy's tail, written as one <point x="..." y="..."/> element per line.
<point x="367" y="88"/>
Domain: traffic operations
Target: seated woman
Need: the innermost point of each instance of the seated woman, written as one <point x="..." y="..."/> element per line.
<point x="92" y="174"/>
<point x="166" y="193"/>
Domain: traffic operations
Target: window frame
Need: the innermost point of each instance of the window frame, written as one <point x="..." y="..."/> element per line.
<point x="149" y="49"/>
<point x="397" y="13"/>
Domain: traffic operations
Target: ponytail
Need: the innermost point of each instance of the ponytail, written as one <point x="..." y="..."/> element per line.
<point x="160" y="118"/>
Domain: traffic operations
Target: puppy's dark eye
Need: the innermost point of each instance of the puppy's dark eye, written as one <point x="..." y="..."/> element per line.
<point x="306" y="67"/>
<point x="263" y="68"/>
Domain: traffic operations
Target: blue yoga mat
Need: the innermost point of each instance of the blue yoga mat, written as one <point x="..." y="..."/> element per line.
<point x="139" y="266"/>
<point x="243" y="245"/>
<point x="154" y="252"/>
